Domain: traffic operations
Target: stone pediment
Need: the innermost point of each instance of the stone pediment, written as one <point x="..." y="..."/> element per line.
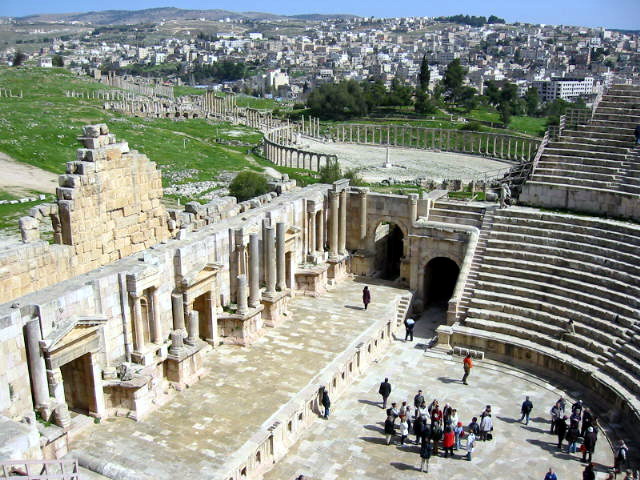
<point x="71" y="331"/>
<point x="207" y="273"/>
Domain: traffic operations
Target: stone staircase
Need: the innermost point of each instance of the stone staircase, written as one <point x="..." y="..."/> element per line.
<point x="461" y="213"/>
<point x="404" y="305"/>
<point x="535" y="270"/>
<point x="588" y="165"/>
<point x="478" y="259"/>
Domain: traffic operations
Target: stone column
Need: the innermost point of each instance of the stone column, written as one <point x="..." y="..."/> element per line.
<point x="363" y="216"/>
<point x="281" y="229"/>
<point x="320" y="232"/>
<point x="177" y="306"/>
<point x="413" y="207"/>
<point x="311" y="232"/>
<point x="37" y="367"/>
<point x="342" y="238"/>
<point x="333" y="212"/>
<point x="254" y="270"/>
<point x="270" y="262"/>
<point x="61" y="414"/>
<point x="194" y="328"/>
<point x="242" y="295"/>
<point x="154" y="314"/>
<point x="177" y="342"/>
<point x="138" y="343"/>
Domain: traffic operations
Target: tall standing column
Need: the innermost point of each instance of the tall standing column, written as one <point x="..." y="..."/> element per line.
<point x="320" y="232"/>
<point x="37" y="367"/>
<point x="363" y="216"/>
<point x="342" y="238"/>
<point x="177" y="307"/>
<point x="242" y="295"/>
<point x="281" y="270"/>
<point x="311" y="231"/>
<point x="254" y="270"/>
<point x="271" y="262"/>
<point x="333" y="212"/>
<point x="137" y="322"/>
<point x="158" y="336"/>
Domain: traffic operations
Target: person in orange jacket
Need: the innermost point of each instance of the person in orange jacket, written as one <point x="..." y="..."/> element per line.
<point x="467" y="364"/>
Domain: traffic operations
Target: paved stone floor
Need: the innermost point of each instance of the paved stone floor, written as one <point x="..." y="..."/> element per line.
<point x="407" y="163"/>
<point x="350" y="445"/>
<point x="196" y="430"/>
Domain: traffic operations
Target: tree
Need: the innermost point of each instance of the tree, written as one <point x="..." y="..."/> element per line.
<point x="424" y="76"/>
<point x="332" y="172"/>
<point x="468" y="98"/>
<point x="492" y="92"/>
<point x="504" y="108"/>
<point x="424" y="104"/>
<point x="532" y="100"/>
<point x="399" y="94"/>
<point x="247" y="185"/>
<point x="453" y="80"/>
<point x="57" y="61"/>
<point x="338" y="101"/>
<point x="19" y="58"/>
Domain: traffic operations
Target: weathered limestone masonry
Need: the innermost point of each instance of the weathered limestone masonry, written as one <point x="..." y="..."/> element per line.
<point x="279" y="148"/>
<point x="116" y="313"/>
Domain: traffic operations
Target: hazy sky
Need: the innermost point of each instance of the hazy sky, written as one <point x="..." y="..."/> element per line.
<point x="608" y="13"/>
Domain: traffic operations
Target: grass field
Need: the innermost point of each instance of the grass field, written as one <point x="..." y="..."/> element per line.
<point x="42" y="128"/>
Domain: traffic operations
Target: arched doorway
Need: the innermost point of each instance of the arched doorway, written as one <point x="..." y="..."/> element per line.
<point x="440" y="277"/>
<point x="389" y="245"/>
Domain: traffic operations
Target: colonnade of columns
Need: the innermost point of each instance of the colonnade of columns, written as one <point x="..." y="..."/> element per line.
<point x="508" y="147"/>
<point x="295" y="158"/>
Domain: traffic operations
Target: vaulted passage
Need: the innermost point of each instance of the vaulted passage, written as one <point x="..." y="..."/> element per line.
<point x="440" y="277"/>
<point x="389" y="241"/>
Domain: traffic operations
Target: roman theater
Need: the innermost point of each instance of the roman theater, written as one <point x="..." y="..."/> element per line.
<point x="152" y="343"/>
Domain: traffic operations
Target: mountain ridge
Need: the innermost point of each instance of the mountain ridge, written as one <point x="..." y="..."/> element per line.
<point x="158" y="14"/>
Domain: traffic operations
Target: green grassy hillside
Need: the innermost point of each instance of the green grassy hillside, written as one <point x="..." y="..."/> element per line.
<point x="41" y="129"/>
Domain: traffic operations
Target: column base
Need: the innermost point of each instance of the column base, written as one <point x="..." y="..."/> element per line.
<point x="185" y="368"/>
<point x="444" y="333"/>
<point x="275" y="308"/>
<point x="236" y="329"/>
<point x="312" y="280"/>
<point x="338" y="269"/>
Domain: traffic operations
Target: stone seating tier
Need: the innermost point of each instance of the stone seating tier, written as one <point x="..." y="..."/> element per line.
<point x="541" y="269"/>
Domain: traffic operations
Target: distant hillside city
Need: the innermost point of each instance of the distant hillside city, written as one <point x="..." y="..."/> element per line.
<point x="287" y="57"/>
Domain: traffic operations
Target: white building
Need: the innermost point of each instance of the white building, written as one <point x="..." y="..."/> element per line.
<point x="276" y="79"/>
<point x="564" y="88"/>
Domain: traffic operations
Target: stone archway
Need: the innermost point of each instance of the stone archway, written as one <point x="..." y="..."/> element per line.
<point x="389" y="250"/>
<point x="440" y="277"/>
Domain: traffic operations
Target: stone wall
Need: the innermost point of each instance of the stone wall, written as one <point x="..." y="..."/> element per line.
<point x="108" y="207"/>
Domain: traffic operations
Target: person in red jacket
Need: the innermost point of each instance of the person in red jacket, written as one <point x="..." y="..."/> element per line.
<point x="467" y="363"/>
<point x="448" y="441"/>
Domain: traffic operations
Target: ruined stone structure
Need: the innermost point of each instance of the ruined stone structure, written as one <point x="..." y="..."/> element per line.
<point x="590" y="168"/>
<point x="129" y="299"/>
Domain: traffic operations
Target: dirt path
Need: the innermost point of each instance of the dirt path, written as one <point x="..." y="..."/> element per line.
<point x="19" y="178"/>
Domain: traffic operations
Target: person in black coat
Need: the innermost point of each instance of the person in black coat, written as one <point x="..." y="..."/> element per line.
<point x="326" y="402"/>
<point x="425" y="454"/>
<point x="436" y="436"/>
<point x="587" y="421"/>
<point x="590" y="439"/>
<point x="561" y="430"/>
<point x="572" y="438"/>
<point x="385" y="391"/>
<point x="636" y="132"/>
<point x="418" y="426"/>
<point x="389" y="428"/>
